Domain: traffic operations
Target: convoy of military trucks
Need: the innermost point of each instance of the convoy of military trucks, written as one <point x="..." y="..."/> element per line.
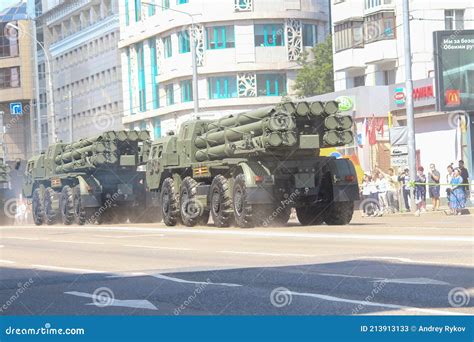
<point x="247" y="170"/>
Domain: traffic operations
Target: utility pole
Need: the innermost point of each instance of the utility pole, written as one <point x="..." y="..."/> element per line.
<point x="409" y="100"/>
<point x="37" y="91"/>
<point x="71" y="135"/>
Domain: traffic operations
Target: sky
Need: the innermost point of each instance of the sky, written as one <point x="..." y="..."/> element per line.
<point x="7" y="3"/>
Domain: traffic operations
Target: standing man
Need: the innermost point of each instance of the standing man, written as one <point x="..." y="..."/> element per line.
<point x="465" y="177"/>
<point x="404" y="179"/>
<point x="434" y="187"/>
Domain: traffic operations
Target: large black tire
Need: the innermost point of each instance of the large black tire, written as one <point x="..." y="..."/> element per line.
<point x="339" y="213"/>
<point x="242" y="210"/>
<point x="191" y="210"/>
<point x="220" y="202"/>
<point x="38" y="207"/>
<point x="79" y="211"/>
<point x="310" y="215"/>
<point x="67" y="205"/>
<point x="169" y="202"/>
<point x="50" y="214"/>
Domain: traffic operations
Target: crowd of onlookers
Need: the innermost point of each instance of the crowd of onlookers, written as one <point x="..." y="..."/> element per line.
<point x="382" y="192"/>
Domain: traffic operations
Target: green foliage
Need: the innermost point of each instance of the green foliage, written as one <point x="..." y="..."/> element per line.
<point x="316" y="75"/>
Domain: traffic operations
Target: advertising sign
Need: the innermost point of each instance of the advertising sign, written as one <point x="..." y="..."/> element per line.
<point x="454" y="70"/>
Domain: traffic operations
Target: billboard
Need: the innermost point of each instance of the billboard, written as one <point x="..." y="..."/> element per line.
<point x="454" y="70"/>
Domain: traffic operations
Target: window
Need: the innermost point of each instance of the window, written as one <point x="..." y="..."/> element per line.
<point x="454" y="19"/>
<point x="151" y="8"/>
<point x="143" y="125"/>
<point x="165" y="4"/>
<point x="310" y="35"/>
<point x="169" y="94"/>
<point x="389" y="77"/>
<point x="154" y="73"/>
<point x="9" y="78"/>
<point x="379" y="26"/>
<point x="359" y="81"/>
<point x="186" y="91"/>
<point x="222" y="87"/>
<point x="271" y="85"/>
<point x="372" y="3"/>
<point x="8" y="41"/>
<point x="348" y="35"/>
<point x="180" y="2"/>
<point x="220" y="37"/>
<point x="156" y="128"/>
<point x="269" y="35"/>
<point x="141" y="77"/>
<point x="183" y="41"/>
<point x="168" y="47"/>
<point x="138" y="10"/>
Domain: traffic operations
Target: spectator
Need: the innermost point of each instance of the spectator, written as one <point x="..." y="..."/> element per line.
<point x="374" y="195"/>
<point x="465" y="177"/>
<point x="382" y="187"/>
<point x="365" y="192"/>
<point x="434" y="187"/>
<point x="458" y="194"/>
<point x="449" y="178"/>
<point x="404" y="179"/>
<point x="392" y="190"/>
<point x="420" y="191"/>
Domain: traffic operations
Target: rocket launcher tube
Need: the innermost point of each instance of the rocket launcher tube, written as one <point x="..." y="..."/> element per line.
<point x="276" y="122"/>
<point x="241" y="119"/>
<point x="338" y="122"/>
<point x="98" y="147"/>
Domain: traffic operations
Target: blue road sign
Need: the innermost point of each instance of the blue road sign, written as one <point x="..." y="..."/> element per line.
<point x="16" y="108"/>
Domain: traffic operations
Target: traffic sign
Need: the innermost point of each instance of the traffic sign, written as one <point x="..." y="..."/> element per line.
<point x="16" y="108"/>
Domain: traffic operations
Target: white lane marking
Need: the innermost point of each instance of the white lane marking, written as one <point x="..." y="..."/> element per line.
<point x="347" y="276"/>
<point x="178" y="280"/>
<point x="128" y="236"/>
<point x="73" y="269"/>
<point x="269" y="254"/>
<point x="412" y="281"/>
<point x="21" y="238"/>
<point x="7" y="262"/>
<point x="127" y="303"/>
<point x="411" y="261"/>
<point x="366" y="303"/>
<point x="215" y="232"/>
<point x="158" y="247"/>
<point x="80" y="242"/>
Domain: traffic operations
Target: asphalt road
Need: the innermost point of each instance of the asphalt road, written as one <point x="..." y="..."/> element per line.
<point x="391" y="265"/>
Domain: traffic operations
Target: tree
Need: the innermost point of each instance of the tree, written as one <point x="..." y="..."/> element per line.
<point x="316" y="75"/>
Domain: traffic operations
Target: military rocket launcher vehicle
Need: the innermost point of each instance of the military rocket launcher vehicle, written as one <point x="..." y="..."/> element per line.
<point x="252" y="168"/>
<point x="6" y="194"/>
<point x="91" y="180"/>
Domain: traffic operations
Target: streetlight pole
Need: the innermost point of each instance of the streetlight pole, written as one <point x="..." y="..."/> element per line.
<point x="193" y="42"/>
<point x="50" y="94"/>
<point x="409" y="99"/>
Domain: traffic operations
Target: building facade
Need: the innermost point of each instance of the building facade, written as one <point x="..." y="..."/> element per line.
<point x="80" y="39"/>
<point x="368" y="38"/>
<point x="16" y="83"/>
<point x="246" y="51"/>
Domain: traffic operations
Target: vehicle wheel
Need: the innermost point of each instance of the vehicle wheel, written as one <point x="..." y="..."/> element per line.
<point x="49" y="211"/>
<point x="67" y="205"/>
<point x="339" y="213"/>
<point x="38" y="207"/>
<point x="169" y="203"/>
<point x="242" y="210"/>
<point x="192" y="211"/>
<point x="220" y="201"/>
<point x="310" y="216"/>
<point x="79" y="211"/>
